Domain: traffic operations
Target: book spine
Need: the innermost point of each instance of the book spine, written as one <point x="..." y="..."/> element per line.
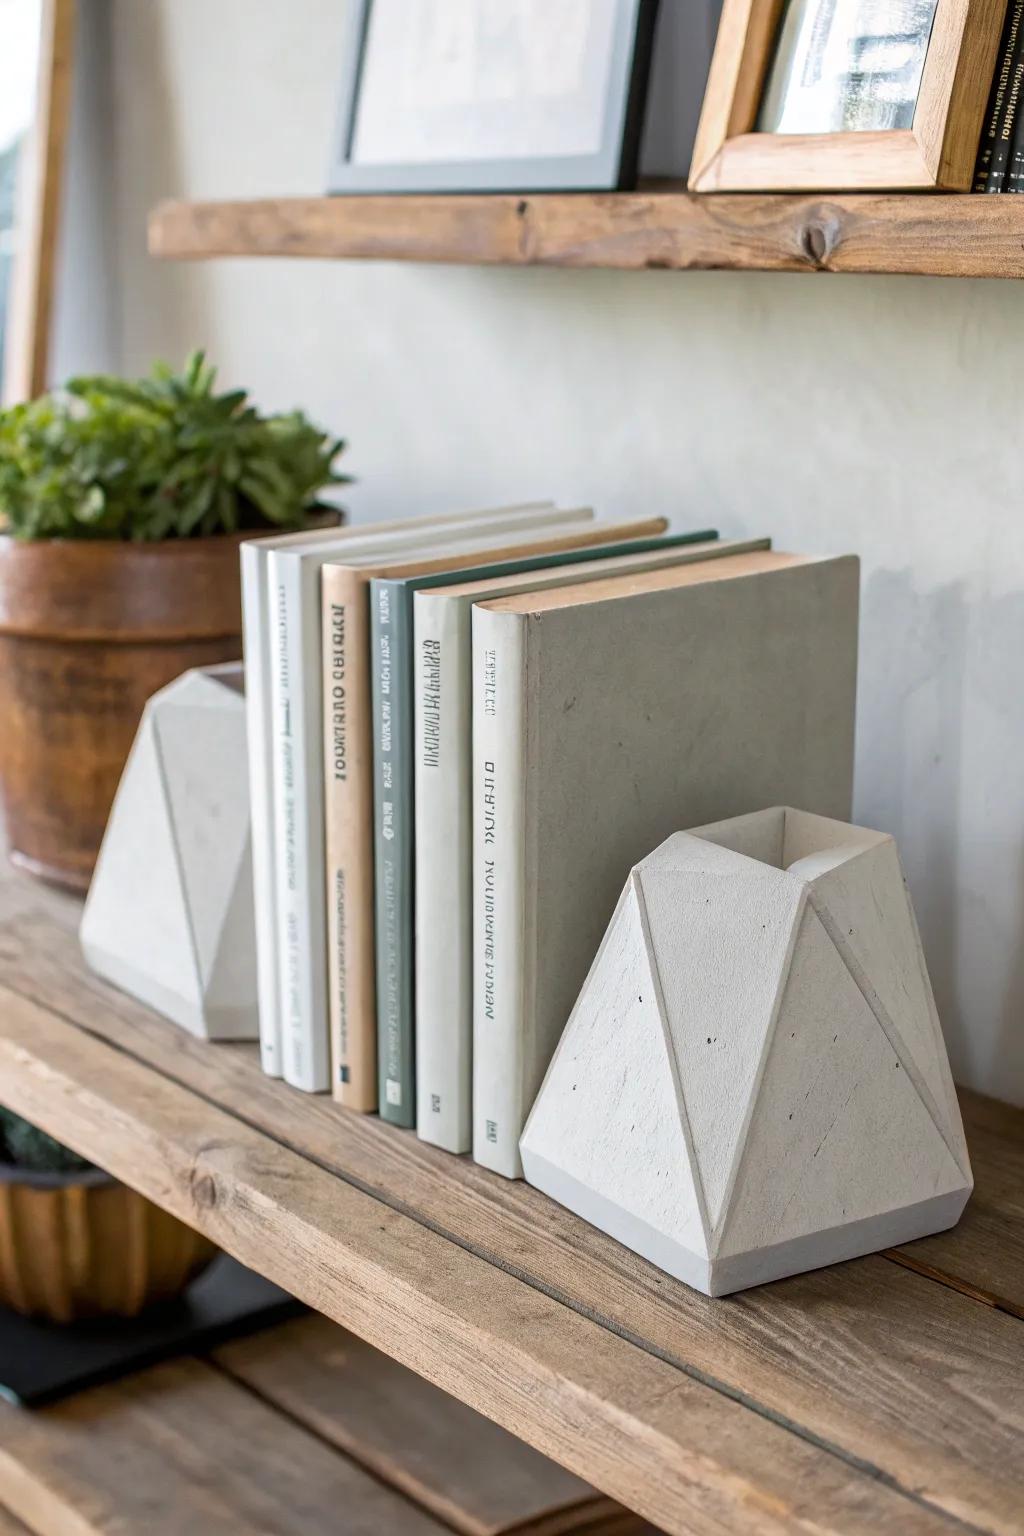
<point x="348" y="829"/>
<point x="298" y="814"/>
<point x="1010" y="87"/>
<point x="256" y="648"/>
<point x="997" y="95"/>
<point x="499" y="887"/>
<point x="390" y="648"/>
<point x="1014" y="181"/>
<point x="442" y="635"/>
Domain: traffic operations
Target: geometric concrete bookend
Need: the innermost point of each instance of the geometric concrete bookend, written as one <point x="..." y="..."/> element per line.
<point x="753" y="1081"/>
<point x="169" y="916"/>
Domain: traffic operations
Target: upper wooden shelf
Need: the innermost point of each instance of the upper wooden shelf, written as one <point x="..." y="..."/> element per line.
<point x="943" y="235"/>
<point x="883" y="1395"/>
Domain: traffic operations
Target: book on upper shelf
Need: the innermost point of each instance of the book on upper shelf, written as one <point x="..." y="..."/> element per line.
<point x="996" y="145"/>
<point x="607" y="716"/>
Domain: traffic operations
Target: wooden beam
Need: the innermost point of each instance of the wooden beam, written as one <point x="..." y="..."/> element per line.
<point x="943" y="235"/>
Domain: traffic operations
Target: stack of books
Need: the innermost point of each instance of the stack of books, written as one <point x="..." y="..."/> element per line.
<point x="1000" y="163"/>
<point x="462" y="733"/>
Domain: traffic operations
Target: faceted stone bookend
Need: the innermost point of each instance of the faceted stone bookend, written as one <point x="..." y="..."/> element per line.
<point x="169" y="916"/>
<point x="753" y="1081"/>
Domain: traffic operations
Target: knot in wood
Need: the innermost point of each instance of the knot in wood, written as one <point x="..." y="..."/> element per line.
<point x="204" y="1190"/>
<point x="818" y="238"/>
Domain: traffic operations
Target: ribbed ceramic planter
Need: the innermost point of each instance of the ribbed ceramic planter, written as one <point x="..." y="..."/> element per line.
<point x="76" y="1245"/>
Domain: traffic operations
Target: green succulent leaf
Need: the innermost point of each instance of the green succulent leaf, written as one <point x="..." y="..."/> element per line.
<point x="160" y="457"/>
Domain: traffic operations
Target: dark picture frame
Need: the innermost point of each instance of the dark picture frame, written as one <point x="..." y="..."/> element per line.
<point x="611" y="165"/>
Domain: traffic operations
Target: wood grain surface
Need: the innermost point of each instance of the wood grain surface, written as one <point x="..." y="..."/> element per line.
<point x="472" y="1475"/>
<point x="924" y="233"/>
<point x="180" y="1448"/>
<point x="862" y="1395"/>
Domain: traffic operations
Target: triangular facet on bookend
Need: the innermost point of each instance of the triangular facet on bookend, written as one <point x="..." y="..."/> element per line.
<point x="753" y="1081"/>
<point x="618" y="1154"/>
<point x="169" y="915"/>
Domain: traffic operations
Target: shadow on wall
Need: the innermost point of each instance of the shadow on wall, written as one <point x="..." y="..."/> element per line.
<point x="917" y="720"/>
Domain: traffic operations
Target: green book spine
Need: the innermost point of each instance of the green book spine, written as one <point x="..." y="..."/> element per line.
<point x="391" y="639"/>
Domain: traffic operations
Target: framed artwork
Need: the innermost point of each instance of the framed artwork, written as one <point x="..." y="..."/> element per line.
<point x="492" y="95"/>
<point x="846" y="95"/>
<point x="36" y="60"/>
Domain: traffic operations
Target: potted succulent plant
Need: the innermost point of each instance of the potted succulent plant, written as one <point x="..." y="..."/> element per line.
<point x="122" y="506"/>
<point x="75" y="1243"/>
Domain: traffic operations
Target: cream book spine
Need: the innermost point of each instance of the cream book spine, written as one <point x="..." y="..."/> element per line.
<point x="256" y="647"/>
<point x="500" y="781"/>
<point x="299" y="812"/>
<point x="444" y="871"/>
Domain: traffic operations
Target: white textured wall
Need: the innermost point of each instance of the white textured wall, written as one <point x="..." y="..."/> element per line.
<point x="869" y="414"/>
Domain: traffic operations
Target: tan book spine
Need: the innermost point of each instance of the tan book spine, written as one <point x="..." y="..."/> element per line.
<point x="348" y="815"/>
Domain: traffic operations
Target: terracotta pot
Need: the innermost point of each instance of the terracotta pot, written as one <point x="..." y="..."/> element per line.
<point x="89" y="629"/>
<point x="76" y="1245"/>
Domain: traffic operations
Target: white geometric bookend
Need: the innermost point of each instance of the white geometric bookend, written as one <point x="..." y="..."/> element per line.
<point x="169" y="916"/>
<point x="753" y="1081"/>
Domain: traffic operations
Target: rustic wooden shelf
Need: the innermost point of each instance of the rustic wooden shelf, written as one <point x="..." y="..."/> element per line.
<point x="270" y="1433"/>
<point x="942" y="235"/>
<point x="884" y="1395"/>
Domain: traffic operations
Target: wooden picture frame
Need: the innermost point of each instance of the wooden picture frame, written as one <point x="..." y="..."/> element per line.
<point x="937" y="152"/>
<point x="610" y="165"/>
<point x="39" y="195"/>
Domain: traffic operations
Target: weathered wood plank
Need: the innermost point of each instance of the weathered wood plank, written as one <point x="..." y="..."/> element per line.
<point x="945" y="235"/>
<point x="684" y="1454"/>
<point x="472" y="1475"/>
<point x="983" y="1254"/>
<point x="915" y="1358"/>
<point x="183" y="1448"/>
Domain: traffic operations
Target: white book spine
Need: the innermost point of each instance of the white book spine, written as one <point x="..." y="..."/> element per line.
<point x="298" y="805"/>
<point x="442" y="637"/>
<point x="256" y="645"/>
<point x="499" y="888"/>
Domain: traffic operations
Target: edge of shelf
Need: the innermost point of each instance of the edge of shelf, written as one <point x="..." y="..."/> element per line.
<point x="947" y="234"/>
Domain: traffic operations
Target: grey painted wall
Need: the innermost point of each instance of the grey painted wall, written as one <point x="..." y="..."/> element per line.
<point x="868" y="414"/>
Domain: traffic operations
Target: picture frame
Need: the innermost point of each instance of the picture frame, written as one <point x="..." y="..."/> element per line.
<point x="935" y="150"/>
<point x="409" y="123"/>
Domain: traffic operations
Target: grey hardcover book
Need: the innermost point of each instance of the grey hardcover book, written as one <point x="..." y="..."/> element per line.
<point x="606" y="717"/>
